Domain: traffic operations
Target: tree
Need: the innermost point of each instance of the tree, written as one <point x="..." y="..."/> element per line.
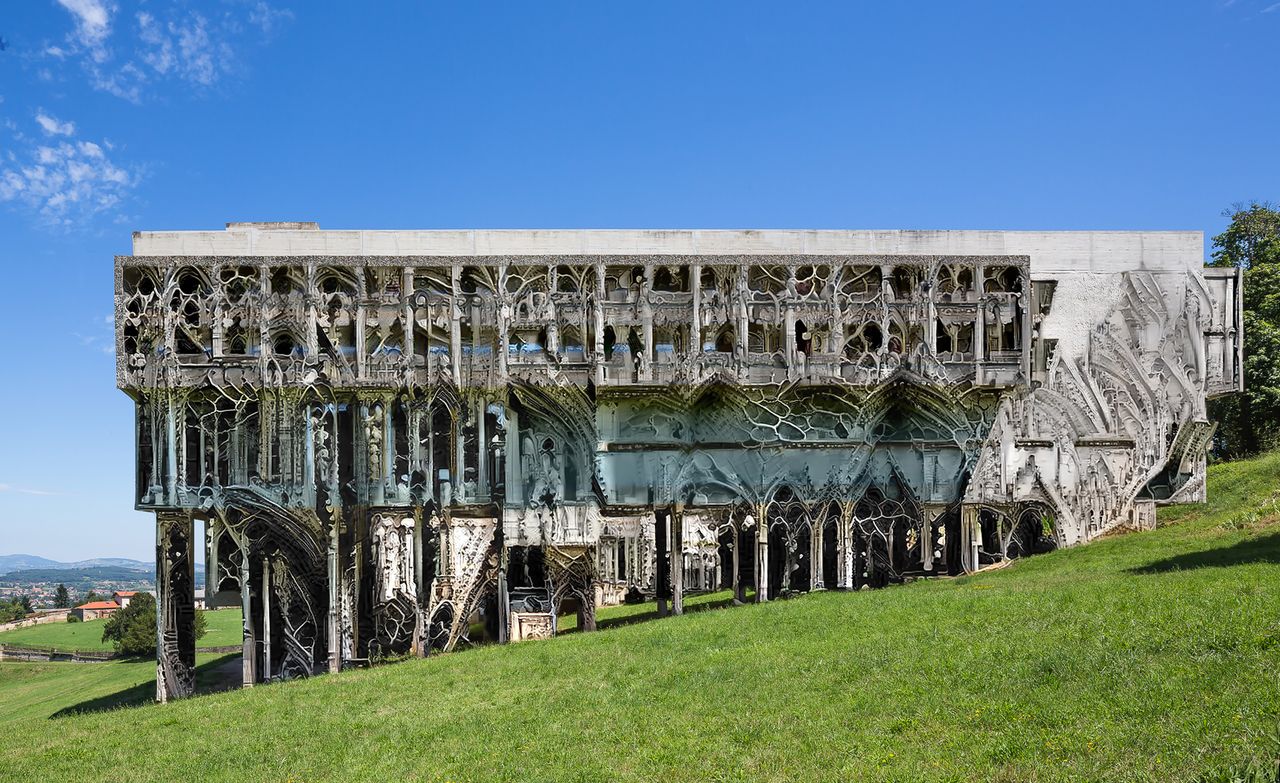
<point x="62" y="598"/>
<point x="11" y="610"/>
<point x="1250" y="422"/>
<point x="89" y="597"/>
<point x="132" y="630"/>
<point x="24" y="602"/>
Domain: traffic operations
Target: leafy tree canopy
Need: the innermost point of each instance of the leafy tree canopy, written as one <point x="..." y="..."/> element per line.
<point x="1250" y="422"/>
<point x="132" y="630"/>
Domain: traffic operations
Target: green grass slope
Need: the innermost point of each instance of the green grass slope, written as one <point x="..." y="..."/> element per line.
<point x="31" y="692"/>
<point x="1152" y="656"/>
<point x="223" y="629"/>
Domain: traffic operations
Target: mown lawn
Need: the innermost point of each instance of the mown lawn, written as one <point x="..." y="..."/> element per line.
<point x="33" y="691"/>
<point x="224" y="628"/>
<point x="1151" y="656"/>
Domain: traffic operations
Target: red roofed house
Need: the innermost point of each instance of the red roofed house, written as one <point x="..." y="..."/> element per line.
<point x="122" y="597"/>
<point x="96" y="610"/>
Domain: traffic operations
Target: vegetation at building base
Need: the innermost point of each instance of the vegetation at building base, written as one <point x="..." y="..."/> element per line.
<point x="224" y="630"/>
<point x="1147" y="656"/>
<point x="1250" y="422"/>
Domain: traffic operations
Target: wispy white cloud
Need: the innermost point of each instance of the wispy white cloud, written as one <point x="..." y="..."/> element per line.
<point x="267" y="19"/>
<point x="103" y="336"/>
<point x="93" y="22"/>
<point x="26" y="490"/>
<point x="52" y="127"/>
<point x="183" y="48"/>
<point x="1270" y="8"/>
<point x="61" y="178"/>
<point x="164" y="43"/>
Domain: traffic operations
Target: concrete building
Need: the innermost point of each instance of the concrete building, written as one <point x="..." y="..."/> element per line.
<point x="392" y="434"/>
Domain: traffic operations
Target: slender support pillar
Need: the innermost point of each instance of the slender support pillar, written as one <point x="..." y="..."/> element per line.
<point x="598" y="314"/>
<point x="335" y="597"/>
<point x="816" y="578"/>
<point x="762" y="559"/>
<point x="662" y="535"/>
<point x="248" y="640"/>
<point x="738" y="589"/>
<point x="175" y="606"/>
<point x="266" y="619"/>
<point x="504" y="600"/>
<point x="482" y="452"/>
<point x="677" y="560"/>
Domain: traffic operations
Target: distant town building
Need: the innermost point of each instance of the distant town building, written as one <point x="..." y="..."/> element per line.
<point x="96" y="610"/>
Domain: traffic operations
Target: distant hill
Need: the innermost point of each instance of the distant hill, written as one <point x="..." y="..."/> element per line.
<point x="71" y="575"/>
<point x="11" y="563"/>
<point x="15" y="562"/>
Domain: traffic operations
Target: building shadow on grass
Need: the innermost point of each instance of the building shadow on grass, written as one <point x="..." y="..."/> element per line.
<point x="219" y="674"/>
<point x="651" y="613"/>
<point x="1261" y="549"/>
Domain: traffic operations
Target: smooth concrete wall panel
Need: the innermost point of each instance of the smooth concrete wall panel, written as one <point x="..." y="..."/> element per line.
<point x="1051" y="252"/>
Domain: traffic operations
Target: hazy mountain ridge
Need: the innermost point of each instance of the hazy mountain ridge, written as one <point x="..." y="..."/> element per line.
<point x="11" y="563"/>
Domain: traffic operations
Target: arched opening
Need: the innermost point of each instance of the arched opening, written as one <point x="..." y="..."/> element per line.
<point x="610" y="339"/>
<point x="804" y="340"/>
<point x="724" y="342"/>
<point x="943" y="342"/>
<point x="830" y="548"/>
<point x="283" y="345"/>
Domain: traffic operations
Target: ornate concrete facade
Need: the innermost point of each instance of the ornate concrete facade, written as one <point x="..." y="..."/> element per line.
<point x="394" y="437"/>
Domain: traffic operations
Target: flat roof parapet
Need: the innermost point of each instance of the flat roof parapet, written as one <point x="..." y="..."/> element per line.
<point x="1051" y="252"/>
<point x="278" y="225"/>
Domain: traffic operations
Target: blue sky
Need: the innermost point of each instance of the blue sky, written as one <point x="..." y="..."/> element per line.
<point x="123" y="115"/>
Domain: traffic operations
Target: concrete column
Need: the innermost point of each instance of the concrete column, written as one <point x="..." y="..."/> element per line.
<point x="738" y="591"/>
<point x="460" y="457"/>
<point x="335" y="599"/>
<point x="388" y="483"/>
<point x="597" y="311"/>
<point x="661" y="537"/>
<point x="211" y="576"/>
<point x="677" y="559"/>
<point x="406" y="292"/>
<point x="762" y="556"/>
<point x="646" y="365"/>
<point x="455" y="326"/>
<point x="266" y="619"/>
<point x="171" y="438"/>
<point x="979" y="328"/>
<point x="248" y="642"/>
<point x="1026" y="313"/>
<point x="362" y="359"/>
<point x="789" y="336"/>
<point x="695" y="325"/>
<point x="482" y="455"/>
<point x="815" y="557"/>
<point x="175" y="606"/>
<point x="504" y="326"/>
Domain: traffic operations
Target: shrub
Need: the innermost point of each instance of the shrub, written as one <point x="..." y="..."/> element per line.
<point x="132" y="630"/>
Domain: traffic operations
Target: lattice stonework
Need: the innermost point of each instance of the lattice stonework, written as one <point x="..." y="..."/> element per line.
<point x="397" y="453"/>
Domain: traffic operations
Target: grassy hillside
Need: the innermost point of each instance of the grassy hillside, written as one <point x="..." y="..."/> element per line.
<point x="1152" y="656"/>
<point x="32" y="692"/>
<point x="224" y="628"/>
